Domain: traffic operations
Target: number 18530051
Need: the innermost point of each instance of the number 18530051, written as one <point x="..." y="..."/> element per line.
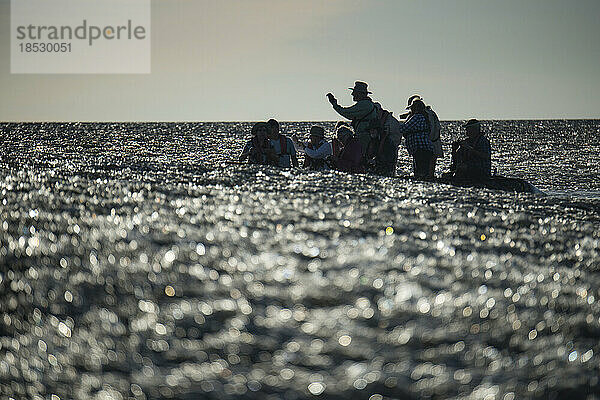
<point x="45" y="47"/>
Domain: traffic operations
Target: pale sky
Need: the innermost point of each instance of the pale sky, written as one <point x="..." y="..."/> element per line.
<point x="248" y="60"/>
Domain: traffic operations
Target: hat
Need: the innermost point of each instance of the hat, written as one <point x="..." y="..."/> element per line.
<point x="259" y="126"/>
<point x="360" y="87"/>
<point x="318" y="131"/>
<point x="412" y="98"/>
<point x="416" y="102"/>
<point x="472" y="122"/>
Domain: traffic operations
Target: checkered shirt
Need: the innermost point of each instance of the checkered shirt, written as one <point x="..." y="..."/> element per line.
<point x="417" y="137"/>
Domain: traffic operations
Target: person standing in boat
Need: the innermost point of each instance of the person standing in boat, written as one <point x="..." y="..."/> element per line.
<point x="363" y="113"/>
<point x="318" y="150"/>
<point x="416" y="131"/>
<point x="472" y="157"/>
<point x="255" y="149"/>
<point x="283" y="153"/>
<point x="349" y="156"/>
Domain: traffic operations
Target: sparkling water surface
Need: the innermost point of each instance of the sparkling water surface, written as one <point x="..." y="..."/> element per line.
<point x="138" y="262"/>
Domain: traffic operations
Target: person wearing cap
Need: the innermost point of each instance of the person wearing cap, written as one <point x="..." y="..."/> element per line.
<point x="434" y="132"/>
<point x="283" y="152"/>
<point x="318" y="150"/>
<point x="362" y="114"/>
<point x="255" y="149"/>
<point x="472" y="157"/>
<point x="416" y="133"/>
<point x="408" y="103"/>
<point x="349" y="157"/>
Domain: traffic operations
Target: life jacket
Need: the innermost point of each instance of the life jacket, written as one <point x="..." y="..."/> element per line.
<point x="283" y="144"/>
<point x="285" y="151"/>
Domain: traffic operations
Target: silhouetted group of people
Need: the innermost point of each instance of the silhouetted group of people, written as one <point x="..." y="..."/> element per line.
<point x="370" y="141"/>
<point x="268" y="146"/>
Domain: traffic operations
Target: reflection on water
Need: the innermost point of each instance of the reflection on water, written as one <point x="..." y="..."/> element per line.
<point x="135" y="263"/>
<point x="581" y="194"/>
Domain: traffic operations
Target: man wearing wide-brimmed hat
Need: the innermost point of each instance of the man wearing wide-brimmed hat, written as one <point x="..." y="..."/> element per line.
<point x="363" y="113"/>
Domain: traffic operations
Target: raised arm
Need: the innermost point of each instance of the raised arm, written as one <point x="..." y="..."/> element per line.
<point x="246" y="152"/>
<point x="356" y="111"/>
<point x="321" y="153"/>
<point x="483" y="153"/>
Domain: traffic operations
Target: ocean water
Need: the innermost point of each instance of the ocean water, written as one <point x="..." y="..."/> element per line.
<point x="138" y="262"/>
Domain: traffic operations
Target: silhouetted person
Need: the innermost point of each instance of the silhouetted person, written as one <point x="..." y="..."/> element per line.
<point x="255" y="149"/>
<point x="472" y="157"/>
<point x="416" y="131"/>
<point x="382" y="146"/>
<point x="348" y="156"/>
<point x="283" y="153"/>
<point x="434" y="133"/>
<point x="318" y="150"/>
<point x="362" y="113"/>
<point x="408" y="103"/>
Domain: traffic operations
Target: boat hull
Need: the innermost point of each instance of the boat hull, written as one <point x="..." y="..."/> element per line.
<point x="495" y="182"/>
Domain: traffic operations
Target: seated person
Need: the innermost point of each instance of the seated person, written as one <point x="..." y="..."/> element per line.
<point x="283" y="153"/>
<point x="349" y="157"/>
<point x="372" y="144"/>
<point x="335" y="143"/>
<point x="255" y="149"/>
<point x="472" y="157"/>
<point x="318" y="151"/>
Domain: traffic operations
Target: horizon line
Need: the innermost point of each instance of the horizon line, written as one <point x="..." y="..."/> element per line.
<point x="250" y="121"/>
<point x="254" y="121"/>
